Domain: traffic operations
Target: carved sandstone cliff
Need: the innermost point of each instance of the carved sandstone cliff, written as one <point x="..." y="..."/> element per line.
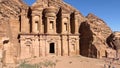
<point x="84" y="35"/>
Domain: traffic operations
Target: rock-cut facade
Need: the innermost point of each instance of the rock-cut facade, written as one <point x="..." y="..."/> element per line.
<point x="49" y="28"/>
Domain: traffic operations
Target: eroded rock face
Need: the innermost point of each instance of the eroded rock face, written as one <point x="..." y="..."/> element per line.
<point x="94" y="32"/>
<point x="114" y="42"/>
<point x="9" y="27"/>
<point x="9" y="11"/>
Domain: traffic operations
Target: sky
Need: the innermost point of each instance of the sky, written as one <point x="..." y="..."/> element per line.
<point x="107" y="10"/>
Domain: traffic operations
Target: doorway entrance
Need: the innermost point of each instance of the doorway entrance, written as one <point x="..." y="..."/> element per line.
<point x="52" y="48"/>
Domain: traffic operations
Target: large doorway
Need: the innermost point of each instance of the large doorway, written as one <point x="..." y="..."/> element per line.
<point x="52" y="48"/>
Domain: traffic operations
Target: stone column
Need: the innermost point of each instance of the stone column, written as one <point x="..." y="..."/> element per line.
<point x="42" y="46"/>
<point x="59" y="47"/>
<point x="25" y="28"/>
<point x="36" y="47"/>
<point x="76" y="27"/>
<point x="76" y="23"/>
<point x="47" y="48"/>
<point x="62" y="26"/>
<point x="21" y="47"/>
<point x="69" y="29"/>
<point x="47" y="26"/>
<point x="64" y="46"/>
<point x="53" y="31"/>
<point x="55" y="25"/>
<point x="32" y="24"/>
<point x="41" y="30"/>
<point x="77" y="46"/>
<point x="32" y="48"/>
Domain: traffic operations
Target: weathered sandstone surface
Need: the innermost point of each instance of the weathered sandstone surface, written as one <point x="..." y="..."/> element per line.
<point x="52" y="27"/>
<point x="114" y="42"/>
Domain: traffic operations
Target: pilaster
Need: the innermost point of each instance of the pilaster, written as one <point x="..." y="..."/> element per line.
<point x="24" y="22"/>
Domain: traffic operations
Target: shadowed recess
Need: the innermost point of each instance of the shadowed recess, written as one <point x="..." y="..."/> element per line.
<point x="29" y="2"/>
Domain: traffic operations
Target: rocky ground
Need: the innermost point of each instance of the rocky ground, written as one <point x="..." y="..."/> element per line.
<point x="68" y="62"/>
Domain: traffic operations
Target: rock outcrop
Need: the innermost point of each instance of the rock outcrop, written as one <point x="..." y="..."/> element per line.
<point x="114" y="42"/>
<point x="9" y="11"/>
<point x="9" y="27"/>
<point x="93" y="34"/>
